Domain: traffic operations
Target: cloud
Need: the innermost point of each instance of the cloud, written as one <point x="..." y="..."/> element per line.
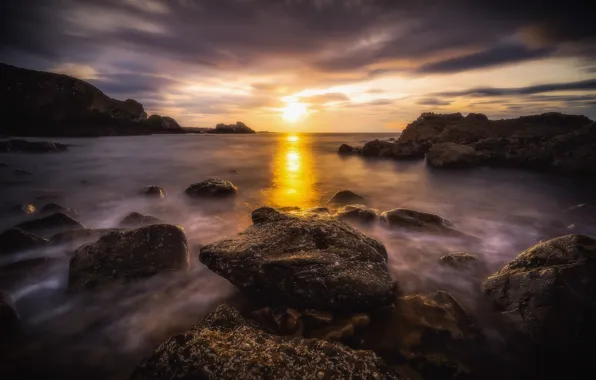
<point x="433" y="102"/>
<point x="75" y="70"/>
<point x="589" y="84"/>
<point x="325" y="98"/>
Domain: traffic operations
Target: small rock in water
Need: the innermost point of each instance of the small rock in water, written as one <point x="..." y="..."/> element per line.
<point x="358" y="213"/>
<point x="345" y="197"/>
<point x="417" y="221"/>
<point x="154" y="191"/>
<point x="347" y="149"/>
<point x="212" y="188"/>
<point x="51" y="224"/>
<point x="16" y="240"/>
<point x="128" y="255"/>
<point x="134" y="219"/>
<point x="460" y="259"/>
<point x="225" y="346"/>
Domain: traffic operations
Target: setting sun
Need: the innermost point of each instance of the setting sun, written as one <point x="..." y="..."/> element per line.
<point x="294" y="111"/>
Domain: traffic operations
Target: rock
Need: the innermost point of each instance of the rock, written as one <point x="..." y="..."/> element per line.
<point x="51" y="224"/>
<point x="304" y="261"/>
<point x="163" y="123"/>
<point x="16" y="145"/>
<point x="358" y="213"/>
<point x="26" y="209"/>
<point x="212" y="188"/>
<point x="347" y="149"/>
<point x="153" y="191"/>
<point x="51" y="208"/>
<point x="225" y="346"/>
<point x="427" y="127"/>
<point x="21" y="173"/>
<point x="461" y="260"/>
<point x="344" y="198"/>
<point x="76" y="238"/>
<point x="411" y="220"/>
<point x="128" y="255"/>
<point x="407" y="150"/>
<point x="16" y="240"/>
<point x="239" y="127"/>
<point x="546" y="294"/>
<point x="574" y="153"/>
<point x="9" y="318"/>
<point x="377" y="148"/>
<point x="450" y="155"/>
<point x="134" y="219"/>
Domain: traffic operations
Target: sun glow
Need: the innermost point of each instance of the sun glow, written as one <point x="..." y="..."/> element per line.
<point x="294" y="111"/>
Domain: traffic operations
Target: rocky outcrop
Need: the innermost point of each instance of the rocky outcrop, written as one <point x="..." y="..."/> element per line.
<point x="239" y="127"/>
<point x="344" y="198"/>
<point x="153" y="191"/>
<point x="212" y="188"/>
<point x="50" y="224"/>
<point x="16" y="145"/>
<point x="40" y="103"/>
<point x="226" y="346"/>
<point x="450" y="155"/>
<point x="546" y="294"/>
<point x="304" y="261"/>
<point x="358" y="213"/>
<point x="134" y="219"/>
<point x="127" y="256"/>
<point x="17" y="240"/>
<point x="427" y="127"/>
<point x="387" y="149"/>
<point x="163" y="123"/>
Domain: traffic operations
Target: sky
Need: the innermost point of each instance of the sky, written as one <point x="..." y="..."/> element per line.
<point x="315" y="65"/>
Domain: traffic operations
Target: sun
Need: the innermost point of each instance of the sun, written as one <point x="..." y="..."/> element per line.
<point x="294" y="111"/>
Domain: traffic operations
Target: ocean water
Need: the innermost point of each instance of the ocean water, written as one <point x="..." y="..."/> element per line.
<point x="105" y="334"/>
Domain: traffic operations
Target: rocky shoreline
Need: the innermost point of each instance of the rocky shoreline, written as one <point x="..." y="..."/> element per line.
<point x="323" y="304"/>
<point x="553" y="142"/>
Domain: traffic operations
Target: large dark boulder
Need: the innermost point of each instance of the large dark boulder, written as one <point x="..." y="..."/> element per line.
<point x="212" y="188"/>
<point x="450" y="155"/>
<point x="344" y="198"/>
<point x="129" y="255"/>
<point x="226" y="346"/>
<point x="17" y="145"/>
<point x="134" y="219"/>
<point x="153" y="191"/>
<point x="305" y="261"/>
<point x="16" y="240"/>
<point x="51" y="224"/>
<point x="547" y="293"/>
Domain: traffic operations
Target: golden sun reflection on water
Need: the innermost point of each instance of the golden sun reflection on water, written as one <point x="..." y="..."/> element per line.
<point x="293" y="173"/>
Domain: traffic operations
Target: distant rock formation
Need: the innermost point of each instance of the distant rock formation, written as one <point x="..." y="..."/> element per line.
<point x="38" y="103"/>
<point x="239" y="127"/>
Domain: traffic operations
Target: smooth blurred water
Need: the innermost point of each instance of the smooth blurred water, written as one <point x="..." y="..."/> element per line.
<point x="106" y="334"/>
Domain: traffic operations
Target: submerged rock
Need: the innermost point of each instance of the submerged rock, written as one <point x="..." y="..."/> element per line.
<point x="17" y="145"/>
<point x="50" y="208"/>
<point x="347" y="149"/>
<point x="225" y="346"/>
<point x="546" y="294"/>
<point x="358" y="213"/>
<point x="16" y="240"/>
<point x="153" y="191"/>
<point x="51" y="224"/>
<point x="411" y="220"/>
<point x="9" y="318"/>
<point x="129" y="255"/>
<point x="345" y="197"/>
<point x="213" y="188"/>
<point x="305" y="261"/>
<point x="462" y="260"/>
<point x="450" y="155"/>
<point x="134" y="219"/>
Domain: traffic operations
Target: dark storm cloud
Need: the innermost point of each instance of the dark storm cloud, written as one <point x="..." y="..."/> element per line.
<point x="125" y="84"/>
<point x="537" y="89"/>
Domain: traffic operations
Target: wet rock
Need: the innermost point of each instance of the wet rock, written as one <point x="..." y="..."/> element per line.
<point x="225" y="346"/>
<point x="21" y="173"/>
<point x="358" y="213"/>
<point x="153" y="191"/>
<point x="304" y="261"/>
<point x="134" y="219"/>
<point x="345" y="197"/>
<point x="411" y="220"/>
<point x="51" y="208"/>
<point x="128" y="255"/>
<point x="347" y="149"/>
<point x="16" y="240"/>
<point x="26" y="209"/>
<point x="212" y="188"/>
<point x="51" y="224"/>
<point x="377" y="148"/>
<point x="75" y="238"/>
<point x="17" y="145"/>
<point x="9" y="318"/>
<point x="239" y="127"/>
<point x="546" y="294"/>
<point x="462" y="260"/>
<point x="450" y="155"/>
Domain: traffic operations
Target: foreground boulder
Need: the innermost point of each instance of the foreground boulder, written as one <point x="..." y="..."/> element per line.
<point x="51" y="224"/>
<point x="358" y="213"/>
<point x="17" y="240"/>
<point x="134" y="219"/>
<point x="450" y="155"/>
<point x="547" y="294"/>
<point x="417" y="221"/>
<point x="212" y="188"/>
<point x="9" y="318"/>
<point x="130" y="255"/>
<point x="16" y="145"/>
<point x="344" y="198"/>
<point x="153" y="191"/>
<point x="304" y="261"/>
<point x="225" y="346"/>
